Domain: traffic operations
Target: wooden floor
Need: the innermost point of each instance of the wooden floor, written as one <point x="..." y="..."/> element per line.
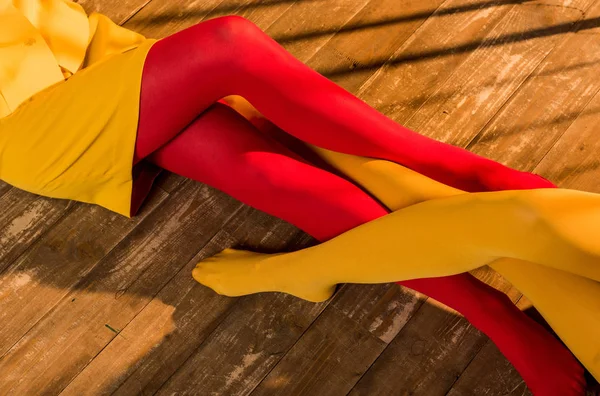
<point x="94" y="303"/>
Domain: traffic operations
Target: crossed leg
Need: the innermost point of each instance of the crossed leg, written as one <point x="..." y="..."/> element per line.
<point x="185" y="74"/>
<point x="224" y="150"/>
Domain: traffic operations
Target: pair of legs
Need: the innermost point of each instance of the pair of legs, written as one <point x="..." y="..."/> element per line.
<point x="182" y="129"/>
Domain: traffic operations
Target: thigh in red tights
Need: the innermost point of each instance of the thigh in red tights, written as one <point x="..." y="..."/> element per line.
<point x="229" y="55"/>
<point x="218" y="147"/>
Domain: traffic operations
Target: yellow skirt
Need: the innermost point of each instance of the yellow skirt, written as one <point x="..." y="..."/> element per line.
<point x="76" y="139"/>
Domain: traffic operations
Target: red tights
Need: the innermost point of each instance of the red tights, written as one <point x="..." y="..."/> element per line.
<point x="184" y="130"/>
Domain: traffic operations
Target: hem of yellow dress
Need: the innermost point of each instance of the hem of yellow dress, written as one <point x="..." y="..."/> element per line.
<point x="116" y="196"/>
<point x="134" y="95"/>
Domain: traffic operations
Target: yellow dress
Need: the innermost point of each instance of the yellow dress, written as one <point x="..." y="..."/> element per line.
<point x="69" y="102"/>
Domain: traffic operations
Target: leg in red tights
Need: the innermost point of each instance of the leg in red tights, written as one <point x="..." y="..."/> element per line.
<point x="225" y="56"/>
<point x="222" y="149"/>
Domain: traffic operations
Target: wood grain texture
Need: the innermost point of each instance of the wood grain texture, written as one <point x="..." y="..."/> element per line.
<point x="291" y="367"/>
<point x="376" y="32"/>
<point x="447" y="361"/>
<point x="418" y="69"/>
<point x="93" y="303"/>
<point x="70" y="239"/>
<point x="545" y="106"/>
<point x="117" y="10"/>
<point x="548" y="102"/>
<point x="177" y="320"/>
<point x="244" y="348"/>
<point x="489" y="367"/>
<point x="573" y="161"/>
<point x="46" y="272"/>
<point x="66" y="339"/>
<point x="328" y="55"/>
<point x="161" y="18"/>
<point x="261" y="364"/>
<point x="343" y="342"/>
<point x="313" y="367"/>
<point x="4" y="187"/>
<point x="24" y="218"/>
<point x="430" y="351"/>
<point x="458" y="110"/>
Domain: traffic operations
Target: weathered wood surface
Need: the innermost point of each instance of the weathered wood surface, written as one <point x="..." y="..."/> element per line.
<point x="93" y="303"/>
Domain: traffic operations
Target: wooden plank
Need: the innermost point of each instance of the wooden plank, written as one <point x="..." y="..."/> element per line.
<point x="242" y="345"/>
<point x="16" y="333"/>
<point x="420" y="364"/>
<point x="232" y="353"/>
<point x="238" y="351"/>
<point x="146" y="376"/>
<point x="535" y="117"/>
<point x="178" y="320"/>
<point x="343" y="342"/>
<point x="161" y="18"/>
<point x="292" y="367"/>
<point x="357" y="47"/>
<point x="245" y="349"/>
<point x="61" y="343"/>
<point x="27" y="216"/>
<point x="264" y="362"/>
<point x="338" y="38"/>
<point x="489" y="367"/>
<point x="334" y="340"/>
<point x="459" y="109"/>
<point x="573" y="161"/>
<point x="43" y="275"/>
<point x="430" y="351"/>
<point x="399" y="88"/>
<point x="24" y="218"/>
<point x="547" y="103"/>
<point x="4" y="187"/>
<point x="117" y="10"/>
<point x="291" y="364"/>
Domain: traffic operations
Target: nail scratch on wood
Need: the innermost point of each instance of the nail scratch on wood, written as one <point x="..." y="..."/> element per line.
<point x="118" y="332"/>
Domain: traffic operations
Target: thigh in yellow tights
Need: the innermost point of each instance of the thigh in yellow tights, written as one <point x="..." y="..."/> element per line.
<point x="569" y="303"/>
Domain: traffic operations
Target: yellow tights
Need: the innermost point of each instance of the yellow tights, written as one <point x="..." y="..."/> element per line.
<point x="545" y="242"/>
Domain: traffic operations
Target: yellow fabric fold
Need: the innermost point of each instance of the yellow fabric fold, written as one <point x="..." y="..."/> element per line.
<point x="108" y="38"/>
<point x="42" y="42"/>
<point x="27" y="65"/>
<point x="64" y="27"/>
<point x="71" y="139"/>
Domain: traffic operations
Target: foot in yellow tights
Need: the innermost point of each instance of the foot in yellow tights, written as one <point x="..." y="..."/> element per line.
<point x="226" y="278"/>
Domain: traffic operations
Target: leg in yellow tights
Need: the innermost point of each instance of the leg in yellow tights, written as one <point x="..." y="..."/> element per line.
<point x="552" y="227"/>
<point x="434" y="238"/>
